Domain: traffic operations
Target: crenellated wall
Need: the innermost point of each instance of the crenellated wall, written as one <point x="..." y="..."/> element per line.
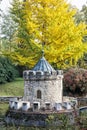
<point x="40" y="75"/>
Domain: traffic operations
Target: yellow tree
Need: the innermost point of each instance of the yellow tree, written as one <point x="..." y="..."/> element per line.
<point x="23" y="53"/>
<point x="51" y="23"/>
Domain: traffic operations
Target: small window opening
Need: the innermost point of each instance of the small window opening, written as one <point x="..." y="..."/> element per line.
<point x="38" y="94"/>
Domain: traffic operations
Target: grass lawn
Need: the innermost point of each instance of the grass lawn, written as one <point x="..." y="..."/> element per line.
<point x="3" y="109"/>
<point x="15" y="88"/>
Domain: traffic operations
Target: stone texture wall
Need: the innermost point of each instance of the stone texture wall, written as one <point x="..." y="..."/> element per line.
<point x="51" y="90"/>
<point x="39" y="119"/>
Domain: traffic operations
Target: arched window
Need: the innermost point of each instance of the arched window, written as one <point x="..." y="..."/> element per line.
<point x="39" y="94"/>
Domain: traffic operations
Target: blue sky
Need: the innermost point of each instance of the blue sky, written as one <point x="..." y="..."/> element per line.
<point x="78" y="3"/>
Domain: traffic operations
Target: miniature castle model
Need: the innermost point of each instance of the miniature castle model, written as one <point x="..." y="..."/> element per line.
<point x="43" y="88"/>
<point x="43" y="85"/>
<point x="42" y="96"/>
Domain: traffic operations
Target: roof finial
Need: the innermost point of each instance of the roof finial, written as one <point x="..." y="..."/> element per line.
<point x="42" y="49"/>
<point x="42" y="53"/>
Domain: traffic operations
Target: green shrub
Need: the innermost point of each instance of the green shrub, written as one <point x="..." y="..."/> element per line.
<point x="2" y="74"/>
<point x="8" y="71"/>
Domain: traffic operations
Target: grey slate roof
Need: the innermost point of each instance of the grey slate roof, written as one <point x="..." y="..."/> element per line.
<point x="43" y="65"/>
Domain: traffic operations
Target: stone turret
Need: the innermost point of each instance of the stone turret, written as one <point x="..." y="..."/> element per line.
<point x="43" y="85"/>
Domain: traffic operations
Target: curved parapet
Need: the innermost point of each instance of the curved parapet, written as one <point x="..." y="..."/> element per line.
<point x="40" y="75"/>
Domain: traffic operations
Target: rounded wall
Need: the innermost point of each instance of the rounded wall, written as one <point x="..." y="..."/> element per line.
<point x="50" y="90"/>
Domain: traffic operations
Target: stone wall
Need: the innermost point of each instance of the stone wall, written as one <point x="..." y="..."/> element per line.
<point x="50" y="87"/>
<point x="6" y="98"/>
<point x="39" y="119"/>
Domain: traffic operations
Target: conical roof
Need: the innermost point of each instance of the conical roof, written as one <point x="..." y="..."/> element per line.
<point x="43" y="65"/>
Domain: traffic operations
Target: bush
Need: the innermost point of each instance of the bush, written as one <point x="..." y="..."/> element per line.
<point x="75" y="82"/>
<point x="8" y="71"/>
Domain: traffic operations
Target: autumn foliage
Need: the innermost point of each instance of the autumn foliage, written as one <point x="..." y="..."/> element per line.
<point x="50" y="23"/>
<point x="75" y="82"/>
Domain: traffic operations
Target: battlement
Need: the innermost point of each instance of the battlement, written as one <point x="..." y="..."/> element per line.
<point x="40" y="75"/>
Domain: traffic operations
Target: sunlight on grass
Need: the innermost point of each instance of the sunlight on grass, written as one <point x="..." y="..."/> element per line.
<point x="15" y="88"/>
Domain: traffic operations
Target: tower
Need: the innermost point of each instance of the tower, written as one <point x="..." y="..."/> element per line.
<point x="43" y="84"/>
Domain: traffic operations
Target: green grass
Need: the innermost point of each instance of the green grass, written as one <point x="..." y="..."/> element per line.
<point x="15" y="88"/>
<point x="3" y="109"/>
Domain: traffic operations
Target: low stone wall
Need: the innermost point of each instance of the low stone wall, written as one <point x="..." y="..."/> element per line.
<point x="39" y="118"/>
<point x="81" y="101"/>
<point x="6" y="98"/>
